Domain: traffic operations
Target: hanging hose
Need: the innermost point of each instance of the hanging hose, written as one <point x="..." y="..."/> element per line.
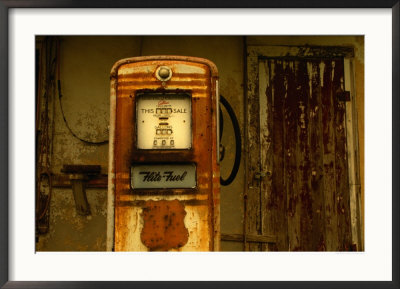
<point x="69" y="128"/>
<point x="238" y="141"/>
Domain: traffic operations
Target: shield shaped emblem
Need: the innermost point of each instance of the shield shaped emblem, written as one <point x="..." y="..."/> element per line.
<point x="163" y="225"/>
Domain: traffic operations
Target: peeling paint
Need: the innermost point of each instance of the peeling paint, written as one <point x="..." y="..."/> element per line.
<point x="321" y="71"/>
<point x="312" y="122"/>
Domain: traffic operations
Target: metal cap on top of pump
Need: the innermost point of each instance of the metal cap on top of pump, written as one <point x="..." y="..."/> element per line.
<point x="163" y="73"/>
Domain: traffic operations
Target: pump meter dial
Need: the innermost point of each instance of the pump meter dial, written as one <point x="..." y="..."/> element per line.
<point x="164" y="121"/>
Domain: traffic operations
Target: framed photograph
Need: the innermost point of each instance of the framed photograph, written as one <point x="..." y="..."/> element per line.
<point x="157" y="145"/>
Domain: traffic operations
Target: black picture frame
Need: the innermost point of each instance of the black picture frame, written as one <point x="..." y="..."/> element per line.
<point x="5" y="5"/>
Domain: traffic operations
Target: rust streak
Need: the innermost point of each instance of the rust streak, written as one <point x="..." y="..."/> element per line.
<point x="181" y="76"/>
<point x="317" y="175"/>
<point x="278" y="197"/>
<point x="141" y="203"/>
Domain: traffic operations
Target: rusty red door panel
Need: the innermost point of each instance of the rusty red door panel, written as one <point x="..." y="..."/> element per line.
<point x="303" y="149"/>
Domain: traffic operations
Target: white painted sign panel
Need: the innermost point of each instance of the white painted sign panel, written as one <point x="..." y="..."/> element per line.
<point x="164" y="121"/>
<point x="160" y="176"/>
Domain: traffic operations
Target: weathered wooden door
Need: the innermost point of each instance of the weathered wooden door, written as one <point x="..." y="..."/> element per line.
<point x="298" y="161"/>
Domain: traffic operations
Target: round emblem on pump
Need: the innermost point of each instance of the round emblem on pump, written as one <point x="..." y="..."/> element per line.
<point x="163" y="73"/>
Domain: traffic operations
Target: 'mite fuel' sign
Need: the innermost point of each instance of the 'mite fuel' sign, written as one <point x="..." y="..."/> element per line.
<point x="163" y="176"/>
<point x="164" y="121"/>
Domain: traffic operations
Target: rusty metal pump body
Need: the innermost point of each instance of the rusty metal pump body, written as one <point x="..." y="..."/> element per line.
<point x="163" y="192"/>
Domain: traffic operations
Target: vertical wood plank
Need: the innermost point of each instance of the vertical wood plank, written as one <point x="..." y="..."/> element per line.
<point x="341" y="167"/>
<point x="252" y="197"/>
<point x="331" y="223"/>
<point x="316" y="159"/>
<point x="356" y="185"/>
<point x="351" y="155"/>
<point x="303" y="157"/>
<point x="291" y="157"/>
<point x="276" y="203"/>
<point x="265" y="88"/>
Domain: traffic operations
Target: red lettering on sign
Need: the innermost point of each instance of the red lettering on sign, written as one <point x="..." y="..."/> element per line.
<point x="162" y="102"/>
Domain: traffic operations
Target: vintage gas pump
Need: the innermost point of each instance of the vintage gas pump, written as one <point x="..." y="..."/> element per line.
<point x="164" y="182"/>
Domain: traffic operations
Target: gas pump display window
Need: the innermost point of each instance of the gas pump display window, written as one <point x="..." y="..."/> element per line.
<point x="164" y="121"/>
